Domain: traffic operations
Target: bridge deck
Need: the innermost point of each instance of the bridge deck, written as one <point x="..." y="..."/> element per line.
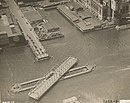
<point x="52" y="77"/>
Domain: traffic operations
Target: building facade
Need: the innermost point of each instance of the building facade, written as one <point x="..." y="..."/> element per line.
<point x="97" y="7"/>
<point x="120" y="11"/>
<point x="10" y="32"/>
<point x="116" y="11"/>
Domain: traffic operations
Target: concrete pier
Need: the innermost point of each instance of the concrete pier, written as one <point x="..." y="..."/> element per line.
<point x="52" y="77"/>
<point x="30" y="35"/>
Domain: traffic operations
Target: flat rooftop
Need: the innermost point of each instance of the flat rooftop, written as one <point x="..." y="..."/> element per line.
<point x="50" y="24"/>
<point x="67" y="12"/>
<point x="6" y="29"/>
<point x="31" y="14"/>
<point x="85" y="27"/>
<point x="7" y="21"/>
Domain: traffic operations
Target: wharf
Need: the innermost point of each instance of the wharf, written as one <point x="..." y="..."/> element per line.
<point x="75" y="20"/>
<point x="52" y="77"/>
<point x="84" y="27"/>
<point x="47" y="30"/>
<point x="123" y="27"/>
<point x="30" y="35"/>
<point x="78" y="71"/>
<point x="51" y="5"/>
<point x="81" y="20"/>
<point x="73" y="72"/>
<point x="54" y="36"/>
<point x="66" y="12"/>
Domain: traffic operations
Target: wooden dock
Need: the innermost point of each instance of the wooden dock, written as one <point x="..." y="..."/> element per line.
<point x="78" y="71"/>
<point x="52" y="77"/>
<point x="73" y="72"/>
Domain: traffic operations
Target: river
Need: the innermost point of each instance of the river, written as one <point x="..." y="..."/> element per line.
<point x="108" y="49"/>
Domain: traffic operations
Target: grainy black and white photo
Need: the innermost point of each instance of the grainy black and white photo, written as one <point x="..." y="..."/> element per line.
<point x="64" y="51"/>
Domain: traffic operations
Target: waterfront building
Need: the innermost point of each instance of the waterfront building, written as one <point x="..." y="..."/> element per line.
<point x="3" y="38"/>
<point x="3" y="4"/>
<point x="97" y="7"/>
<point x="116" y="11"/>
<point x="10" y="33"/>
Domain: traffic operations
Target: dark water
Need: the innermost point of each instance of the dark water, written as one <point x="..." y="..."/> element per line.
<point x="108" y="49"/>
